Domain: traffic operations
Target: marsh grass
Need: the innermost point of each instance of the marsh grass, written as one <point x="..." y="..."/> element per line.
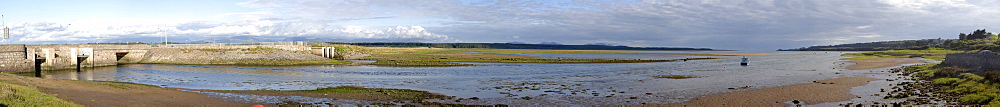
<point x="968" y="87"/>
<point x="403" y="94"/>
<point x="937" y="54"/>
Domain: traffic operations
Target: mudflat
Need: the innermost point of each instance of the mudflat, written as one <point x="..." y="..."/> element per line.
<point x="821" y="91"/>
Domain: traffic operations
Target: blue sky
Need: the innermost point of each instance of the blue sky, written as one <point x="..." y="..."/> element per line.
<point x="719" y="24"/>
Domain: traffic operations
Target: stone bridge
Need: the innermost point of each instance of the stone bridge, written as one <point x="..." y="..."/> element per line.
<point x="20" y="58"/>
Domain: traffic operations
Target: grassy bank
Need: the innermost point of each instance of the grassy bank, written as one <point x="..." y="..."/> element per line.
<point x="445" y="57"/>
<point x="21" y="96"/>
<point x="937" y="54"/>
<point x="953" y="84"/>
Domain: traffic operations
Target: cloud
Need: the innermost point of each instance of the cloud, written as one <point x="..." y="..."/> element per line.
<point x="46" y="32"/>
<point x="739" y="25"/>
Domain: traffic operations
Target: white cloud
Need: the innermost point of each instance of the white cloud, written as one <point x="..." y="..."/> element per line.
<point x="745" y="25"/>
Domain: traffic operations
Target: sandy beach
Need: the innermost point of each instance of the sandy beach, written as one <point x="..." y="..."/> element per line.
<point x="829" y="90"/>
<point x="820" y="91"/>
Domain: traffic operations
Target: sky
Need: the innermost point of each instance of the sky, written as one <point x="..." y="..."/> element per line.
<point x="717" y="24"/>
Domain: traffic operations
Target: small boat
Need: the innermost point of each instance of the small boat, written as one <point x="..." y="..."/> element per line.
<point x="745" y="61"/>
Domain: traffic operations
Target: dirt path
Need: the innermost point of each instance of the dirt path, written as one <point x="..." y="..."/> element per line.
<point x="106" y="94"/>
<point x="881" y="63"/>
<point x="829" y="90"/>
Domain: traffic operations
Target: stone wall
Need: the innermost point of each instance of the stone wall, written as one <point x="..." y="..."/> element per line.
<point x="14" y="58"/>
<point x="972" y="61"/>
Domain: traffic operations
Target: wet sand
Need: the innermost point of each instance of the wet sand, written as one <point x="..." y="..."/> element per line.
<point x="820" y="91"/>
<point x="829" y="90"/>
<point x="105" y="94"/>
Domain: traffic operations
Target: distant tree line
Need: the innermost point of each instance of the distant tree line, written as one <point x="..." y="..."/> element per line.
<point x="976" y="40"/>
<point x="513" y="46"/>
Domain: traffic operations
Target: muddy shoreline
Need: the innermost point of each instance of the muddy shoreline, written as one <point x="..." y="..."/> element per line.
<point x="827" y="91"/>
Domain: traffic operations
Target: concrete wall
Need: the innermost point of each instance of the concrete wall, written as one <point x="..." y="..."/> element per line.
<point x="975" y="62"/>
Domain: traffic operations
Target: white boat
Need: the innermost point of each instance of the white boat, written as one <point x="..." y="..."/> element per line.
<point x="745" y="61"/>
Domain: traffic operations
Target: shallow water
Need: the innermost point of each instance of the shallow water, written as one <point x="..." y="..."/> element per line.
<point x="613" y="83"/>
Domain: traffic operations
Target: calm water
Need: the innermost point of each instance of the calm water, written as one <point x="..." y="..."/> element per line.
<point x="503" y="84"/>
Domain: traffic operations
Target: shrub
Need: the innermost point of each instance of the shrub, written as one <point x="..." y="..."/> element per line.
<point x="966" y="87"/>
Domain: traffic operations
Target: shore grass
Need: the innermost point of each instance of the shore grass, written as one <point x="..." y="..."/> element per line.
<point x="959" y="84"/>
<point x="936" y="54"/>
<point x="398" y="94"/>
<point x="408" y="63"/>
<point x="20" y="96"/>
<point x="262" y="62"/>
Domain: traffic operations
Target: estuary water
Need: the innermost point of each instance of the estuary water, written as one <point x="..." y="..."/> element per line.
<point x="504" y="83"/>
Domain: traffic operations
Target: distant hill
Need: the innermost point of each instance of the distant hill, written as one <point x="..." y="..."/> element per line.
<point x="975" y="40"/>
<point x="878" y="46"/>
<point x="517" y="46"/>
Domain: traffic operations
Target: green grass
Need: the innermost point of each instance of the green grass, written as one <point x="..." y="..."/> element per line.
<point x="970" y="88"/>
<point x="415" y="63"/>
<point x="946" y="81"/>
<point x="937" y="54"/>
<point x="21" y="96"/>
